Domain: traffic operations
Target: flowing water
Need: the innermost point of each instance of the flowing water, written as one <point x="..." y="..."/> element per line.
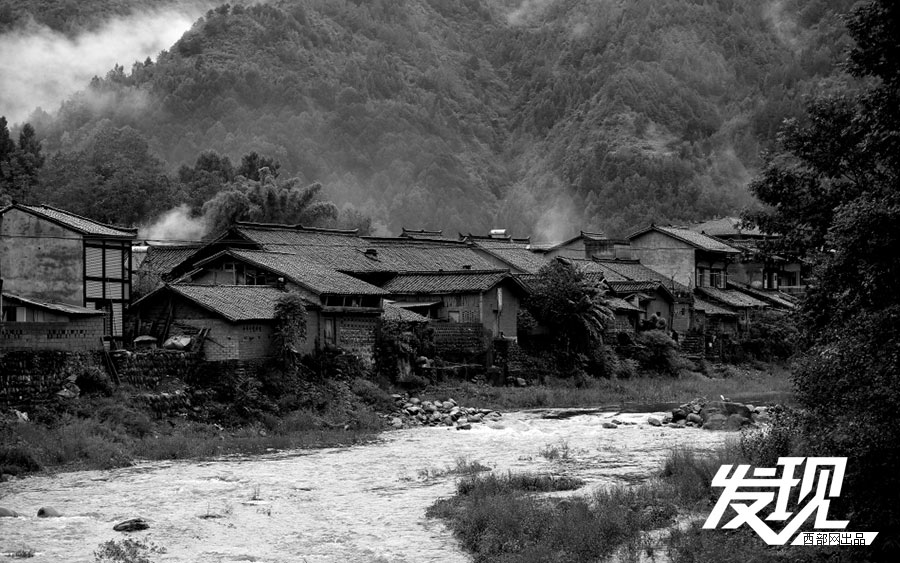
<point x="359" y="504"/>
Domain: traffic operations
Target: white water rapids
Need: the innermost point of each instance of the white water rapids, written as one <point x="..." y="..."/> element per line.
<point x="359" y="504"/>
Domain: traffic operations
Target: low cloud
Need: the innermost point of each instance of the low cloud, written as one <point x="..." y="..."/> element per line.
<point x="42" y="67"/>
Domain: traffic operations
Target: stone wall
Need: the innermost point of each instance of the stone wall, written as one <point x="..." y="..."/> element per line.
<point x="31" y="377"/>
<point x="147" y="369"/>
<point x="77" y="336"/>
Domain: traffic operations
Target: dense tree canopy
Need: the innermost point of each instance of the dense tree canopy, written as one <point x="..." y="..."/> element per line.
<point x="461" y="114"/>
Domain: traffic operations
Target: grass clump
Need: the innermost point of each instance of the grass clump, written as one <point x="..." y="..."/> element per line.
<point x="128" y="550"/>
<point x="463" y="467"/>
<point x="501" y="518"/>
<point x="559" y="451"/>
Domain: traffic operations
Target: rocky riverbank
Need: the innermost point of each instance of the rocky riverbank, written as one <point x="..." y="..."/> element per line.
<point x="413" y="411"/>
<point x="713" y="415"/>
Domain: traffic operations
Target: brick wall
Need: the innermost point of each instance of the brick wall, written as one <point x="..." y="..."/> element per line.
<point x="235" y="341"/>
<point x="459" y="338"/>
<point x="356" y="334"/>
<point x="77" y="336"/>
<point x="31" y="377"/>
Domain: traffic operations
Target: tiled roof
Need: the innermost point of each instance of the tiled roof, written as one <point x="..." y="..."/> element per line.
<point x="725" y="227"/>
<point x="777" y="298"/>
<point x="64" y="308"/>
<point x="516" y="254"/>
<point x="633" y="286"/>
<point x="77" y="223"/>
<point x="350" y="253"/>
<point x="711" y="308"/>
<point x="445" y="282"/>
<point x="697" y="240"/>
<point x="731" y="297"/>
<point x="394" y="313"/>
<point x="619" y="304"/>
<point x="234" y="302"/>
<point x="162" y="258"/>
<point x="632" y="270"/>
<point x="319" y="279"/>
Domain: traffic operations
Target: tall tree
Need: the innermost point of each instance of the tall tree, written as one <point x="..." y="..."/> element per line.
<point x="19" y="164"/>
<point x="834" y="195"/>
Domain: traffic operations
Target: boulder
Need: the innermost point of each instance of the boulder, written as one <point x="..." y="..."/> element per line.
<point x="48" y="512"/>
<point x="715" y="422"/>
<point x="466" y="426"/>
<point x="8" y="513"/>
<point x="415" y="401"/>
<point x="653" y="421"/>
<point x="521" y="382"/>
<point x="132" y="525"/>
<point x="695" y="418"/>
<point x="397" y="422"/>
<point x="610" y="425"/>
<point x="447" y="405"/>
<point x="447" y="421"/>
<point x="736" y="421"/>
<point x="678" y="414"/>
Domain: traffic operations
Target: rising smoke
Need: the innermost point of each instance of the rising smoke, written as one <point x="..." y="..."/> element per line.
<point x="175" y="225"/>
<point x="41" y="67"/>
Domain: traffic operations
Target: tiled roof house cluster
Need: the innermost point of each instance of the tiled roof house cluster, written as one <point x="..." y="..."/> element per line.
<point x="59" y="267"/>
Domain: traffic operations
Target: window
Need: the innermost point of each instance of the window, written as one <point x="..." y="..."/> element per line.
<point x="453" y="316"/>
<point x="9" y="314"/>
<point x="716" y="278"/>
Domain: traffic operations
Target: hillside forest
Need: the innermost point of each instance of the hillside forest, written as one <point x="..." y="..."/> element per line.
<point x="540" y="116"/>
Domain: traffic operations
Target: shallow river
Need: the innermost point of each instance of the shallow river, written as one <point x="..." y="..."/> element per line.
<point x="360" y="504"/>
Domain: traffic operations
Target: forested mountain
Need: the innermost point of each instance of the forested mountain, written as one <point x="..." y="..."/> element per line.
<point x="543" y="116"/>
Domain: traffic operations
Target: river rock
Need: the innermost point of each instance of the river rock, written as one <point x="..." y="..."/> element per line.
<point x="429" y="407"/>
<point x="132" y="525"/>
<point x="521" y="382"/>
<point x="695" y="418"/>
<point x="653" y="421"/>
<point x="678" y="414"/>
<point x="8" y="513"/>
<point x="447" y="405"/>
<point x="736" y="421"/>
<point x="465" y="426"/>
<point x="48" y="512"/>
<point x="715" y="421"/>
<point x="475" y="417"/>
<point x="397" y="422"/>
<point x="610" y="425"/>
<point x="415" y="400"/>
<point x="447" y="420"/>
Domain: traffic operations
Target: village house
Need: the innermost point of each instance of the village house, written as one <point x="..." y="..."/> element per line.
<point x="345" y="278"/>
<point x="52" y="256"/>
<point x="755" y="267"/>
<point x="635" y="285"/>
<point x="233" y="322"/>
<point x="684" y="256"/>
<point x="489" y="298"/>
<point x="343" y="310"/>
<point x="30" y="324"/>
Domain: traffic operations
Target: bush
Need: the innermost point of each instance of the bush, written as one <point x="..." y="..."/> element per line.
<point x="772" y="336"/>
<point x="93" y="380"/>
<point x="373" y="395"/>
<point x="16" y="460"/>
<point x="655" y="351"/>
